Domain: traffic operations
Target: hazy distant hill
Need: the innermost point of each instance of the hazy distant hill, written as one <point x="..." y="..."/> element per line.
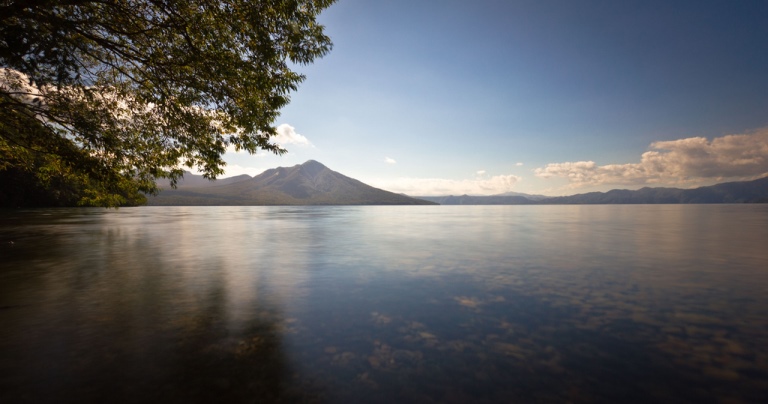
<point x="197" y="181"/>
<point x="528" y="196"/>
<point x="480" y="200"/>
<point x="310" y="183"/>
<point x="755" y="191"/>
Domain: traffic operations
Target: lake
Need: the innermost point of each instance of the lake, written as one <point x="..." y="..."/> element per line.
<point x="422" y="304"/>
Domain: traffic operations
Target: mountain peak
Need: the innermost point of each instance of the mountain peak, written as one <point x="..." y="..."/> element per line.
<point x="312" y="168"/>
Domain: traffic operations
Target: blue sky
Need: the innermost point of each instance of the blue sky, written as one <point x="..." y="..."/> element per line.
<point x="548" y="97"/>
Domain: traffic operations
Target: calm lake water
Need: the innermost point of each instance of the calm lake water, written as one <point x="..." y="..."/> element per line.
<point x="432" y="304"/>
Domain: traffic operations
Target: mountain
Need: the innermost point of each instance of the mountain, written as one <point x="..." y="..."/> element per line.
<point x="310" y="183"/>
<point x="755" y="191"/>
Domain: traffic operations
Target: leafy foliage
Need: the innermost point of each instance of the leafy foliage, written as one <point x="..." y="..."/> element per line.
<point x="107" y="96"/>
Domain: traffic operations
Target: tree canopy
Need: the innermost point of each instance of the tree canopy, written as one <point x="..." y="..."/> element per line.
<point x="100" y="98"/>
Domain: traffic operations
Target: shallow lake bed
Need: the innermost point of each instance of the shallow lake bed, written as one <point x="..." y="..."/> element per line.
<point x="608" y="303"/>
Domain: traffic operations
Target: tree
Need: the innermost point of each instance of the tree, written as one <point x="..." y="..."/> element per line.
<point x="102" y="97"/>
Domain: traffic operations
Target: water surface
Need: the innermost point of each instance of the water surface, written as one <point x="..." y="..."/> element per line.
<point x="611" y="303"/>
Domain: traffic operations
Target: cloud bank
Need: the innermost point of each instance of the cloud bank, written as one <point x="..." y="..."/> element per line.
<point x="439" y="187"/>
<point x="690" y="161"/>
<point x="18" y="86"/>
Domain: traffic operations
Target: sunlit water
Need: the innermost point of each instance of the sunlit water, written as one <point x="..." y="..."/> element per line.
<point x="434" y="304"/>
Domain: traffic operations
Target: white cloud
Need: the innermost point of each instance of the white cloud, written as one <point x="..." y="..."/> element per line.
<point x="286" y="134"/>
<point x="518" y="164"/>
<point x="389" y="160"/>
<point x="480" y="172"/>
<point x="439" y="186"/>
<point x="690" y="161"/>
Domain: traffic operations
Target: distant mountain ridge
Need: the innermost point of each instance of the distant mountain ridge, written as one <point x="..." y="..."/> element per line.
<point x="755" y="191"/>
<point x="529" y="196"/>
<point x="310" y="183"/>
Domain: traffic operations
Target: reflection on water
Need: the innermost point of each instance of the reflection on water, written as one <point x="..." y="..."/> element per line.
<point x="654" y="303"/>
